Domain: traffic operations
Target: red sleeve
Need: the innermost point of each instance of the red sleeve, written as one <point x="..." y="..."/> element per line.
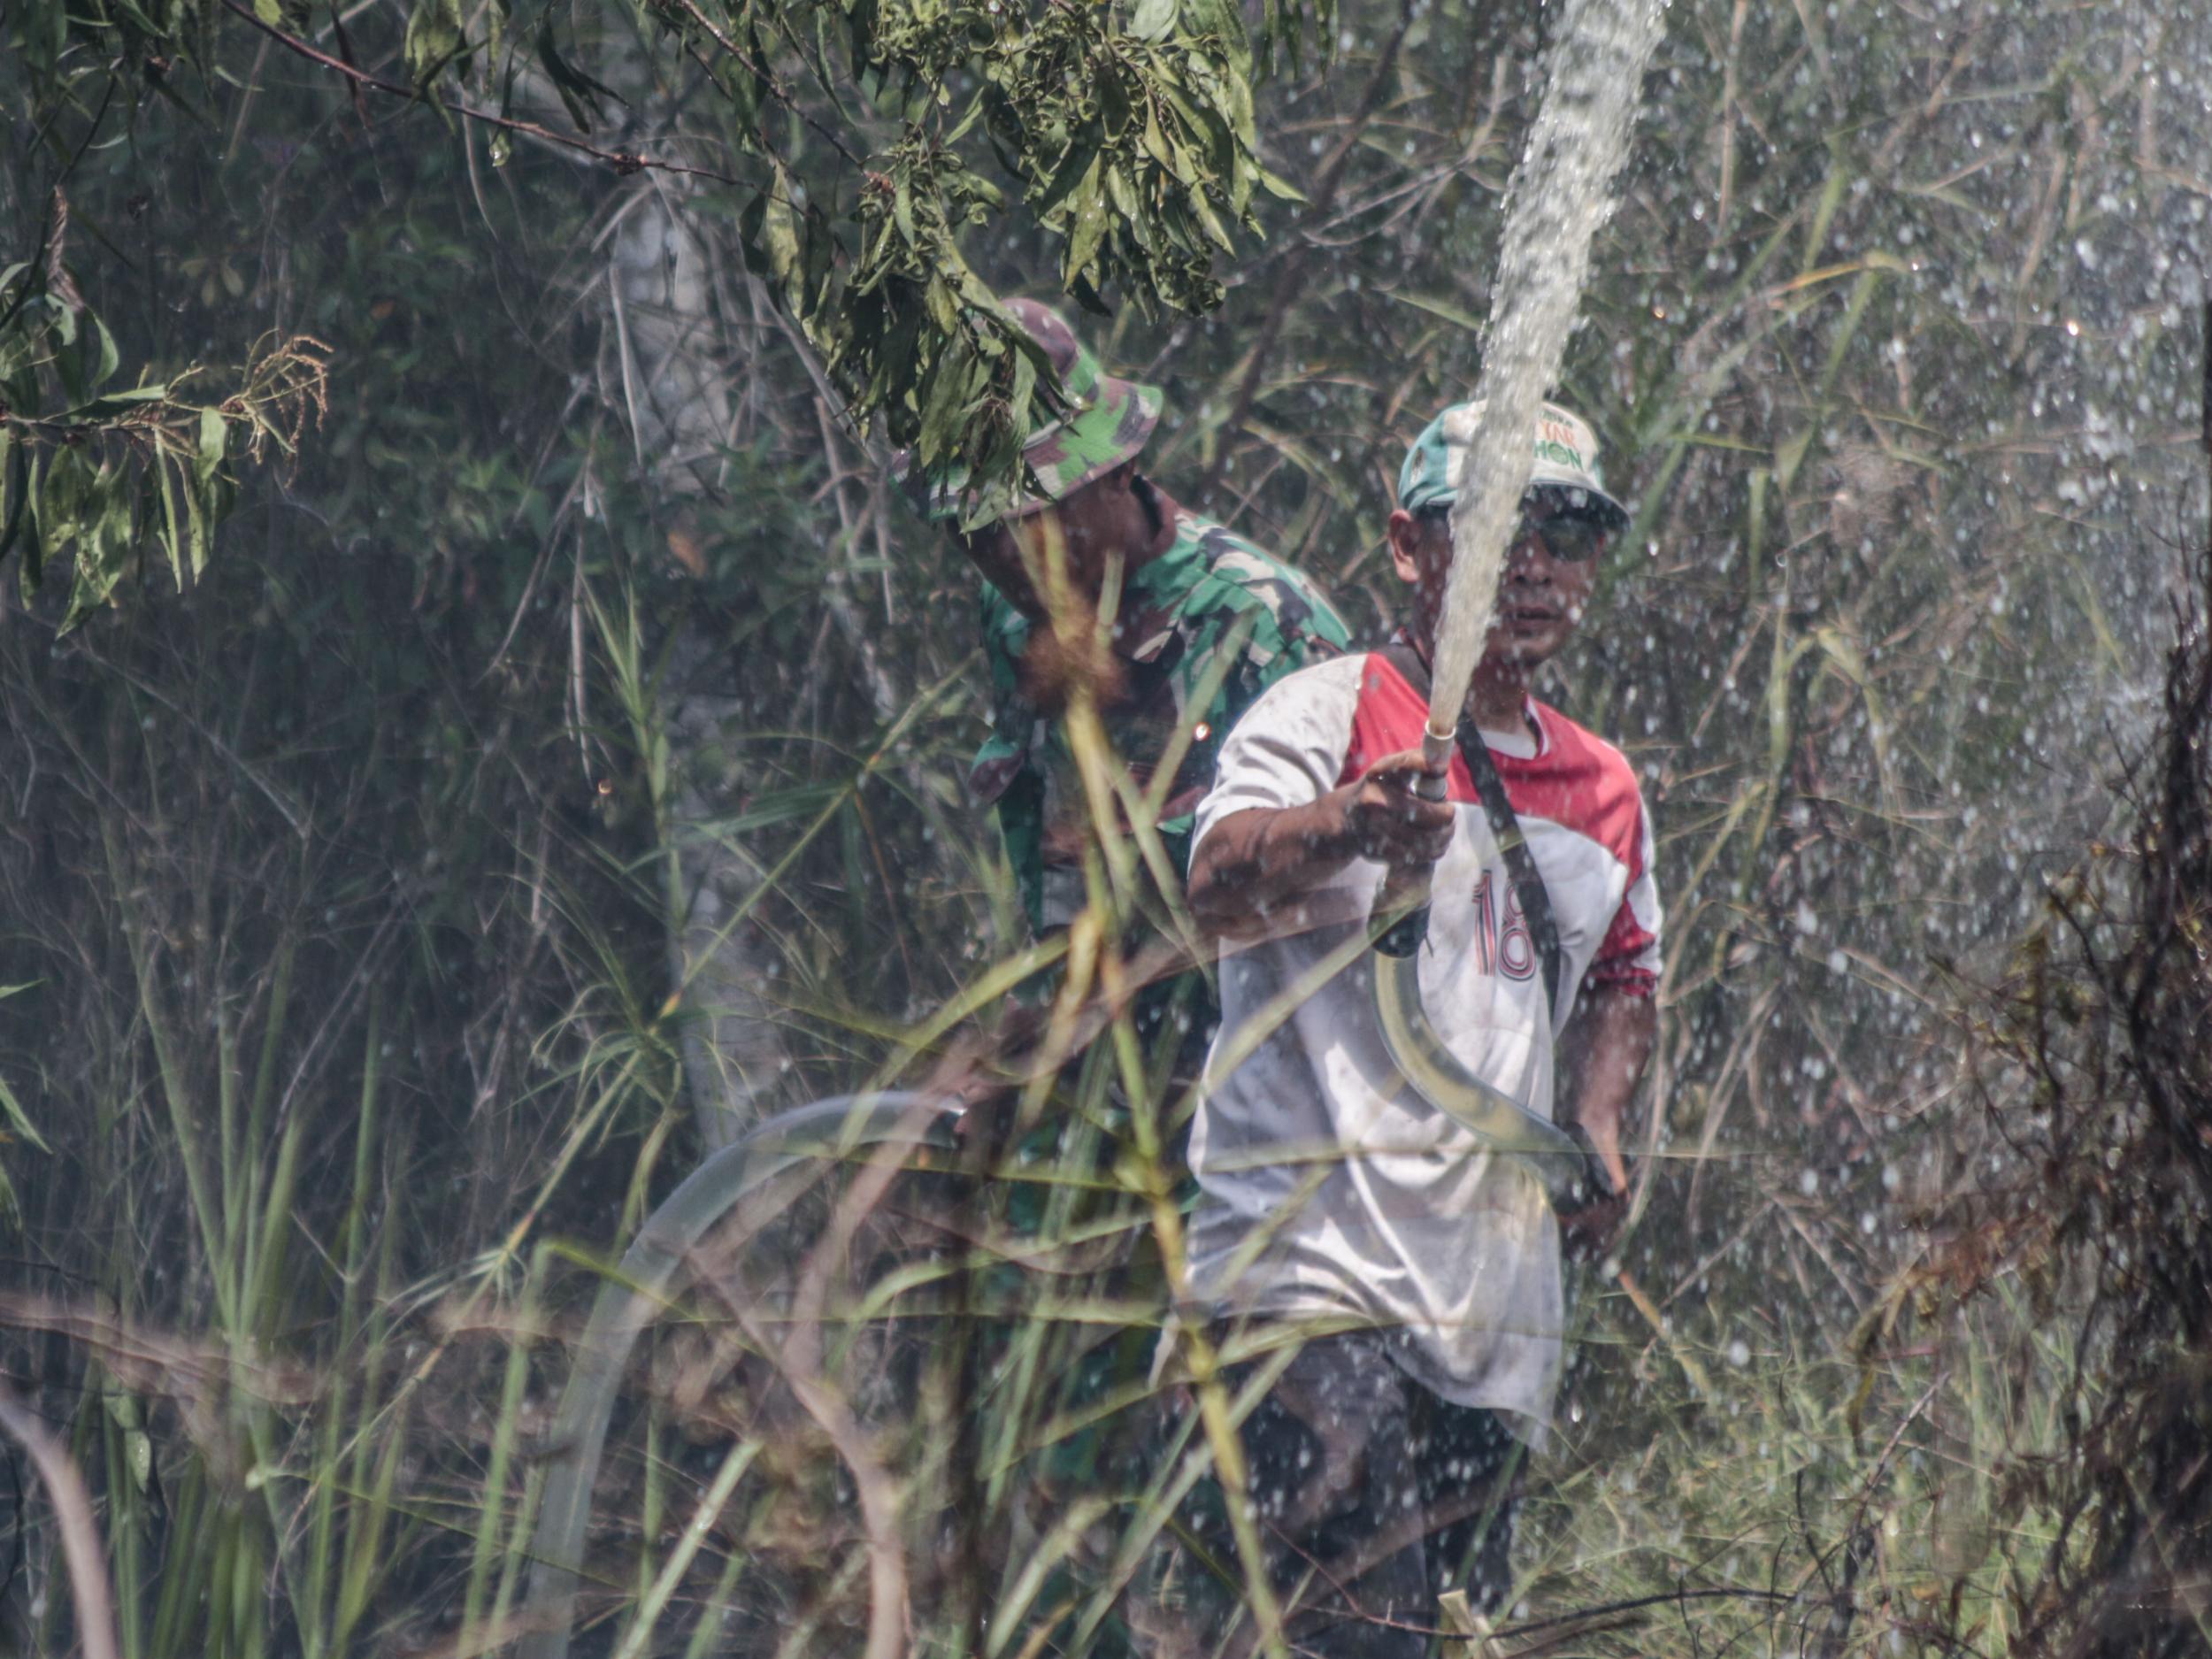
<point x="1627" y="957"/>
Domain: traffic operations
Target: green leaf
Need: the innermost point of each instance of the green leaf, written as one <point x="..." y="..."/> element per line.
<point x="818" y="254"/>
<point x="779" y="236"/>
<point x="1113" y="104"/>
<point x="102" y="521"/>
<point x="1088" y="297"/>
<point x="138" y="1445"/>
<point x="579" y="93"/>
<point x="1075" y="167"/>
<point x="198" y="505"/>
<point x="1123" y="195"/>
<point x="56" y="504"/>
<point x="19" y="1120"/>
<point x="1024" y="390"/>
<point x="1214" y="18"/>
<point x="1204" y="210"/>
<point x="946" y="400"/>
<point x="436" y="35"/>
<point x="213" y="438"/>
<point x="944" y="310"/>
<point x="1087" y="230"/>
<point x="1789" y="455"/>
<point x="1155" y="140"/>
<point x="24" y="511"/>
<point x="172" y="541"/>
<point x="1437" y="307"/>
<point x="752" y="225"/>
<point x="1154" y="19"/>
<point x="1207" y="127"/>
<point x="114" y="403"/>
<point x="109" y="359"/>
<point x="92" y="356"/>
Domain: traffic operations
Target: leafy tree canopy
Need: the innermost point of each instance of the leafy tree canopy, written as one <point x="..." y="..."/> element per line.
<point x="1125" y="133"/>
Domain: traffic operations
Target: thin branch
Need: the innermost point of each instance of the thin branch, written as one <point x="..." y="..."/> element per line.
<point x="759" y="72"/>
<point x="797" y="1360"/>
<point x="623" y="161"/>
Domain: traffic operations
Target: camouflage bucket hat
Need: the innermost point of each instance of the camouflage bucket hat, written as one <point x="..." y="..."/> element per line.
<point x="1107" y="421"/>
<point x="1566" y="461"/>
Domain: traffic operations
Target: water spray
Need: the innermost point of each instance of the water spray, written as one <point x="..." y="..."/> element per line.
<point x="1560" y="193"/>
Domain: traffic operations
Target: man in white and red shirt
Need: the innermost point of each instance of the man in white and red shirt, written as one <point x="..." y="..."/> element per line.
<point x="1332" y="1196"/>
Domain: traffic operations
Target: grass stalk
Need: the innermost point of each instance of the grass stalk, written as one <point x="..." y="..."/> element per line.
<point x="707" y="1630"/>
<point x="494" y="1514"/>
<point x="352" y="1248"/>
<point x="175" y="1092"/>
<point x="704" y="1519"/>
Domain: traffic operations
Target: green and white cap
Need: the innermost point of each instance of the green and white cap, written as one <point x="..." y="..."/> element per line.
<point x="1106" y="421"/>
<point x="1566" y="460"/>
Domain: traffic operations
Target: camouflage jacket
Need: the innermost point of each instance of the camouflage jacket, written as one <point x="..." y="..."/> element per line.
<point x="1177" y="612"/>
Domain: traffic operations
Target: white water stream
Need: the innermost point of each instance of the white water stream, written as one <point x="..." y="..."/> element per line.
<point x="1560" y="193"/>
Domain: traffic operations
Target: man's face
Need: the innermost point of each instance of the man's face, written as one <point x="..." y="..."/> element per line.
<point x="1542" y="594"/>
<point x="1097" y="521"/>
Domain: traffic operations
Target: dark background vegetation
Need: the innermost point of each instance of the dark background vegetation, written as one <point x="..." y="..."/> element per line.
<point x="559" y="759"/>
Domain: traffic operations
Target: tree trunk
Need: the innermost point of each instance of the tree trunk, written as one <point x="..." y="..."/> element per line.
<point x="668" y="374"/>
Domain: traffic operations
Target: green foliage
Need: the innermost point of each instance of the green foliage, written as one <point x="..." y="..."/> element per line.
<point x="864" y="134"/>
<point x="1130" y="139"/>
<point x="95" y="472"/>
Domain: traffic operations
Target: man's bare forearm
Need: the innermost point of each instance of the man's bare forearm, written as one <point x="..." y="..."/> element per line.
<point x="1607" y="1044"/>
<point x="1257" y="859"/>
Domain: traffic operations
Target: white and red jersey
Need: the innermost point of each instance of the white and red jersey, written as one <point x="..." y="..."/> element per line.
<point x="1326" y="1184"/>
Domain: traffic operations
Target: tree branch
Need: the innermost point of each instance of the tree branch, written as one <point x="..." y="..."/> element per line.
<point x="623" y="161"/>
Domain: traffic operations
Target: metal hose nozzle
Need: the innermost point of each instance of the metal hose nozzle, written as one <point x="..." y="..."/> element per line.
<point x="1436" y="750"/>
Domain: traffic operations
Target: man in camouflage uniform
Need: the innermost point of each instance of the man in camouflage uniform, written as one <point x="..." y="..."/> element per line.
<point x="1201" y="622"/>
<point x="1191" y="590"/>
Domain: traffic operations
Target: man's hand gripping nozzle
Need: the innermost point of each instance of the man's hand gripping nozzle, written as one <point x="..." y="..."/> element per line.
<point x="1405" y="892"/>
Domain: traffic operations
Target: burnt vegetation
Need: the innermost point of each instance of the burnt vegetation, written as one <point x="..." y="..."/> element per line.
<point x="2095" y="1061"/>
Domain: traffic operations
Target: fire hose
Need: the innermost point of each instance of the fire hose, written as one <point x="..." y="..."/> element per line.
<point x="1555" y="1159"/>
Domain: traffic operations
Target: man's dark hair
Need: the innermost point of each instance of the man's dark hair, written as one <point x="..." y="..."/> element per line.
<point x="1435" y="515"/>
